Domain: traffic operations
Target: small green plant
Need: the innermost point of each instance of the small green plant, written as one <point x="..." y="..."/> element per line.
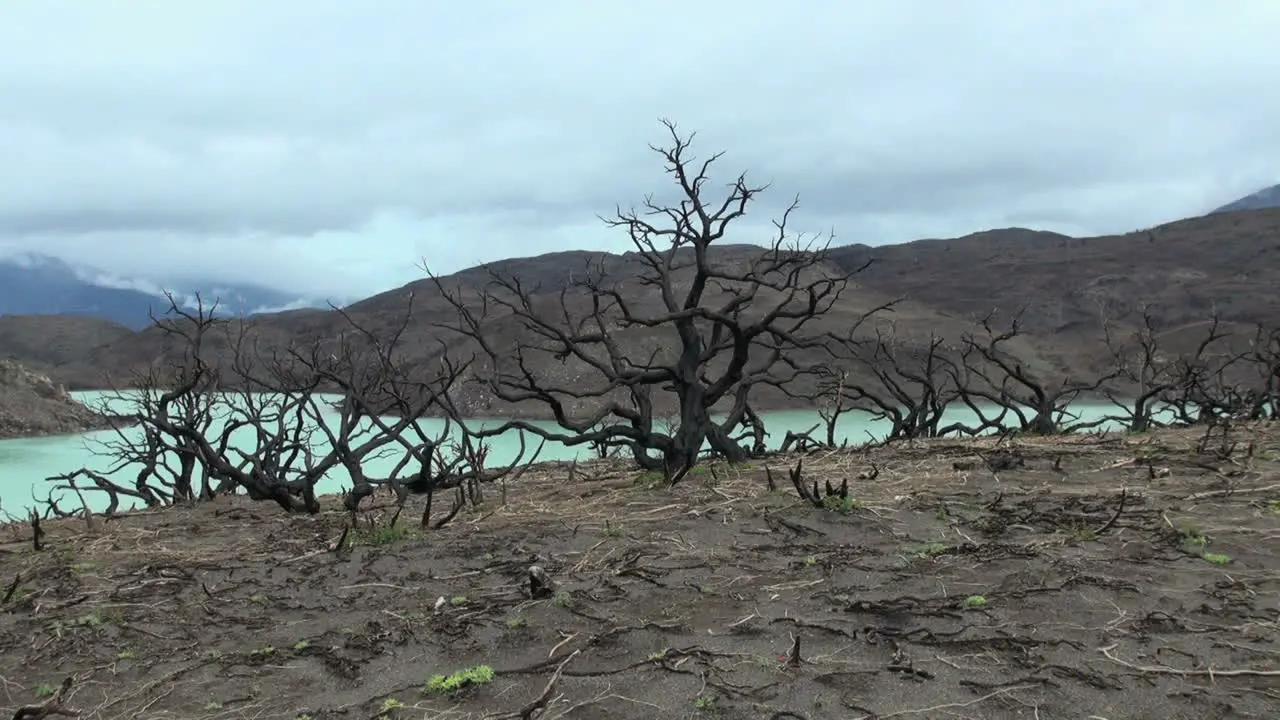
<point x="212" y="706"/>
<point x="388" y="706"/>
<point x="842" y="505"/>
<point x="810" y="560"/>
<point x="658" y="656"/>
<point x="385" y="534"/>
<point x="260" y="599"/>
<point x="1217" y="558"/>
<point x="975" y="601"/>
<point x="45" y="690"/>
<point x="126" y="655"/>
<point x="266" y="651"/>
<point x="942" y="515"/>
<point x="84" y="568"/>
<point x="1082" y="533"/>
<point x="458" y="600"/>
<point x="611" y="531"/>
<point x="930" y="550"/>
<point x="704" y="703"/>
<point x="91" y="620"/>
<point x="301" y="645"/>
<point x="1192" y="536"/>
<point x="650" y="480"/>
<point x="447" y="684"/>
<point x="515" y="623"/>
<point x="562" y="599"/>
<point x="1273" y="507"/>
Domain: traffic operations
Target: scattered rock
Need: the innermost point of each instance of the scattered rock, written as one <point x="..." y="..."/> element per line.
<point x="540" y="583"/>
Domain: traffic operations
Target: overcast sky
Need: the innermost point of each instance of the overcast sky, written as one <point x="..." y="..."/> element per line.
<point x="327" y="146"/>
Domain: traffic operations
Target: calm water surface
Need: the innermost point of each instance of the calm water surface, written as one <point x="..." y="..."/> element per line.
<point x="26" y="463"/>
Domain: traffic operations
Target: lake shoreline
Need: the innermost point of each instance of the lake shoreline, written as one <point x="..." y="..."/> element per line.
<point x="28" y="461"/>
<point x="110" y="422"/>
<point x="538" y="412"/>
<point x="32" y="405"/>
<point x="541" y="415"/>
<point x="331" y="501"/>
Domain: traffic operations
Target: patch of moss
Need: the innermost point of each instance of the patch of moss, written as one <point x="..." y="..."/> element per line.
<point x="444" y="684"/>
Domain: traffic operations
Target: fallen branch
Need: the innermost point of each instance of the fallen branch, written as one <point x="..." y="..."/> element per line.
<point x="1166" y="670"/>
<point x="539" y="703"/>
<point x="1224" y="493"/>
<point x="1112" y="521"/>
<point x="13" y="588"/>
<point x="53" y="706"/>
<point x="950" y="705"/>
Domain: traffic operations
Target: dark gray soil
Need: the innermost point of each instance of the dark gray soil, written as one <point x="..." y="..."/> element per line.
<point x="946" y="591"/>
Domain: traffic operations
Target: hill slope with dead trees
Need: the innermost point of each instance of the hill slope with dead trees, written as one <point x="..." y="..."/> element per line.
<point x="666" y="355"/>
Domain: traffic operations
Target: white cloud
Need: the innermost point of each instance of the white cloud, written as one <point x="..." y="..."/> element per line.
<point x="327" y="146"/>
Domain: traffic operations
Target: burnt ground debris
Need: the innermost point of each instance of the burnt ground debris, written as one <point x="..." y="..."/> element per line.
<point x="1112" y="577"/>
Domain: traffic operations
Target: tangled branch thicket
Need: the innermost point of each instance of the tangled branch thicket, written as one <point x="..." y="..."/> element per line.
<point x="273" y="423"/>
<point x="699" y="328"/>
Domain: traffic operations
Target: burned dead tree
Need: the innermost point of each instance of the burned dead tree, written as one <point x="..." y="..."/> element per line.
<point x="988" y="372"/>
<point x="682" y="323"/>
<point x="381" y="406"/>
<point x="1155" y="381"/>
<point x="1147" y="373"/>
<point x="272" y="420"/>
<point x="165" y="470"/>
<point x="181" y="390"/>
<point x="909" y="387"/>
<point x="1260" y="400"/>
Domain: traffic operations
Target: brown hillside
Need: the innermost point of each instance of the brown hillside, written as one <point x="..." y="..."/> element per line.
<point x="1185" y="269"/>
<point x="56" y="344"/>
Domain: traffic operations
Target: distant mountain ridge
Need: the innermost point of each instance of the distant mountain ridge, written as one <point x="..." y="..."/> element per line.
<point x="1268" y="197"/>
<point x="37" y="284"/>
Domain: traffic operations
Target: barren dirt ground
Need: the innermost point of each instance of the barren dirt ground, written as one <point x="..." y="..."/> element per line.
<point x="944" y="591"/>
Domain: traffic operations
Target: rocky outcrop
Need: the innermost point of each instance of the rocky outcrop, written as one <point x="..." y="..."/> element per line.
<point x="31" y="405"/>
